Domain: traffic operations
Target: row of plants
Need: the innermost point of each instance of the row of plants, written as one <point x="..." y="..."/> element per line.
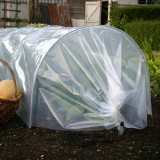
<point x="142" y="23"/>
<point x="153" y="62"/>
<point x="38" y="25"/>
<point x="133" y="13"/>
<point x="139" y="22"/>
<point x="140" y="30"/>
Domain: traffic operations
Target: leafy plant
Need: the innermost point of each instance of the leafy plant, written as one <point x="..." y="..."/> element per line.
<point x="38" y="25"/>
<point x="134" y="13"/>
<point x="148" y="48"/>
<point x="16" y="18"/>
<point x="154" y="68"/>
<point x="156" y="1"/>
<point x="148" y="29"/>
<point x="123" y="22"/>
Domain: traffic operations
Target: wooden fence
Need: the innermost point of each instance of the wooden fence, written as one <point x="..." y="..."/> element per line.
<point x="51" y="12"/>
<point x="13" y="1"/>
<point x="9" y="13"/>
<point x="43" y="11"/>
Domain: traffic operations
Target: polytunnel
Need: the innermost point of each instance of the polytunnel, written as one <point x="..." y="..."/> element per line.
<point x="87" y="78"/>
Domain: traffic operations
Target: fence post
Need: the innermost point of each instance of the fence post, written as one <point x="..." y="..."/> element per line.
<point x="109" y="10"/>
<point x="33" y="11"/>
<point x="30" y="5"/>
<point x="36" y="11"/>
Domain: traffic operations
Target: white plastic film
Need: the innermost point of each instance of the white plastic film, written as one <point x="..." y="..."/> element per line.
<point x="80" y="78"/>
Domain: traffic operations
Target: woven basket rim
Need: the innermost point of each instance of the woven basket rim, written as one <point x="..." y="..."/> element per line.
<point x="9" y="106"/>
<point x="12" y="100"/>
<point x="13" y="76"/>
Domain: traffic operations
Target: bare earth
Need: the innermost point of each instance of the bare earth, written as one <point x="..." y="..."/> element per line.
<point x="18" y="142"/>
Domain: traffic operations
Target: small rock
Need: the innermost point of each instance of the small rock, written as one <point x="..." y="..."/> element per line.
<point x="42" y="156"/>
<point x="129" y="153"/>
<point x="98" y="150"/>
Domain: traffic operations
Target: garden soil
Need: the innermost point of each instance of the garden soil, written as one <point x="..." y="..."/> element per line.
<point x="18" y="142"/>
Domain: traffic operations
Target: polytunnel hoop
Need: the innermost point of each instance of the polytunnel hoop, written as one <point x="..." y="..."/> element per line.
<point x="121" y="123"/>
<point x="82" y="62"/>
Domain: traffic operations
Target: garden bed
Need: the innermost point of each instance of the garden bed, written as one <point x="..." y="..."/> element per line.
<point x="18" y="142"/>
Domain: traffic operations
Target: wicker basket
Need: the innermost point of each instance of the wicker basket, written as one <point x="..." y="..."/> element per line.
<point x="8" y="107"/>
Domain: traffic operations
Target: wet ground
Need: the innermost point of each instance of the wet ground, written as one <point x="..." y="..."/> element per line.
<point x="18" y="142"/>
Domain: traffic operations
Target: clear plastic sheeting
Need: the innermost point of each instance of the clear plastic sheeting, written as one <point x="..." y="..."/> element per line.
<point x="9" y="40"/>
<point x="78" y="78"/>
